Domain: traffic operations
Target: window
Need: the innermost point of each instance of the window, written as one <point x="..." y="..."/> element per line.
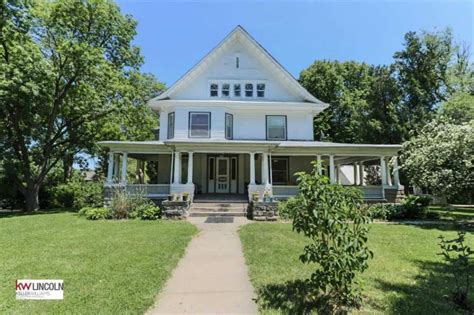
<point x="237" y="61"/>
<point x="229" y="126"/>
<point x="261" y="90"/>
<point x="276" y="127"/>
<point x="171" y="125"/>
<point x="237" y="90"/>
<point x="199" y="125"/>
<point x="226" y="89"/>
<point x="280" y="170"/>
<point x="214" y="90"/>
<point x="249" y="90"/>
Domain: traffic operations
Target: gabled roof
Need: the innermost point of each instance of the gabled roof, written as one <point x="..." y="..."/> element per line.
<point x="239" y="33"/>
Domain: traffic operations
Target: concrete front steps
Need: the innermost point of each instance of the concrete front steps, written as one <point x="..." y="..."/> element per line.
<point x="209" y="209"/>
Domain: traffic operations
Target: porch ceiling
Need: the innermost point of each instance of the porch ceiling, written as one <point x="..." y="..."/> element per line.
<point x="245" y="146"/>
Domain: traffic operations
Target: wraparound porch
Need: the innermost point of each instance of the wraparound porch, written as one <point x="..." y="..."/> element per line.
<point x="247" y="167"/>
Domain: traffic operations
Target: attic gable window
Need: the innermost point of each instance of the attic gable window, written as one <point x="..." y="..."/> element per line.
<point x="214" y="90"/>
<point x="261" y="90"/>
<point x="237" y="91"/>
<point x="248" y="90"/>
<point x="226" y="90"/>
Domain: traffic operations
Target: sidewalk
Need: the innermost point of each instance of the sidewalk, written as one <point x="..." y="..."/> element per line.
<point x="211" y="277"/>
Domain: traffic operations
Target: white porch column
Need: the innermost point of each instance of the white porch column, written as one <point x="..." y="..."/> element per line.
<point x="265" y="168"/>
<point x="252" y="168"/>
<point x="389" y="176"/>
<point x="356" y="175"/>
<point x="110" y="170"/>
<point x="190" y="167"/>
<point x="383" y="170"/>
<point x="171" y="168"/>
<point x="116" y="168"/>
<point x="320" y="167"/>
<point x="124" y="168"/>
<point x="396" y="176"/>
<point x="332" y="179"/>
<point x="177" y="168"/>
<point x="361" y="174"/>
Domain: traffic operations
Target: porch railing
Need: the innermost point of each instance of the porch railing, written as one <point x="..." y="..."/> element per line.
<point x="148" y="189"/>
<point x="372" y="192"/>
<point x="369" y="192"/>
<point x="284" y="191"/>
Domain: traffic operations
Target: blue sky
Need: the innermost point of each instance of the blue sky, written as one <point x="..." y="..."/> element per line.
<point x="173" y="36"/>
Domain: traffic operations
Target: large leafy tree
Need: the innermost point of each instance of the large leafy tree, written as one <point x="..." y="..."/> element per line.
<point x="441" y="158"/>
<point x="363" y="101"/>
<point x="422" y="71"/>
<point x="66" y="68"/>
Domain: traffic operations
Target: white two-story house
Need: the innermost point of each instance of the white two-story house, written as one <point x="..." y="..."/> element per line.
<point x="239" y="123"/>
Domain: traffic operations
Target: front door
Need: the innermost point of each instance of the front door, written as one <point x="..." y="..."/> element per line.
<point x="222" y="185"/>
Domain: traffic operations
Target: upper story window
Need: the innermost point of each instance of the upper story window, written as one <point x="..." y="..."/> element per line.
<point x="226" y="89"/>
<point x="229" y="126"/>
<point x="199" y="125"/>
<point x="261" y="90"/>
<point x="248" y="90"/>
<point x="214" y="89"/>
<point x="237" y="91"/>
<point x="276" y="127"/>
<point x="171" y="125"/>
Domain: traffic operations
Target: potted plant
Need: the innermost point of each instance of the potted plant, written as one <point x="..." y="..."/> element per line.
<point x="255" y="196"/>
<point x="266" y="196"/>
<point x="185" y="196"/>
<point x="175" y="197"/>
<point x="170" y="197"/>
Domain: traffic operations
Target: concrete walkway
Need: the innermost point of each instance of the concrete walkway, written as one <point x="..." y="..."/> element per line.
<point x="212" y="276"/>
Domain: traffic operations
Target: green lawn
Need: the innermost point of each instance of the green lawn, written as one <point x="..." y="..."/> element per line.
<point x="405" y="276"/>
<point x="458" y="213"/>
<point x="108" y="267"/>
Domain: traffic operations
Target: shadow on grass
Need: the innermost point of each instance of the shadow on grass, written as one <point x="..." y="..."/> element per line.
<point x="428" y="294"/>
<point x="290" y="297"/>
<point x="19" y="213"/>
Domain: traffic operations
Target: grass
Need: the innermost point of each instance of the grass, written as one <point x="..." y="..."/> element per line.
<point x="405" y="276"/>
<point x="458" y="213"/>
<point x="108" y="267"/>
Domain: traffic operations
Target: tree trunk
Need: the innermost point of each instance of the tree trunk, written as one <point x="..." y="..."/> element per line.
<point x="68" y="161"/>
<point x="31" y="194"/>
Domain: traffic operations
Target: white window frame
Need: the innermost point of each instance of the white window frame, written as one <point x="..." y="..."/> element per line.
<point x="190" y="125"/>
<point x="214" y="90"/>
<point x="250" y="90"/>
<point x="261" y="90"/>
<point x="285" y="127"/>
<point x="227" y="90"/>
<point x="171" y="125"/>
<point x="229" y="135"/>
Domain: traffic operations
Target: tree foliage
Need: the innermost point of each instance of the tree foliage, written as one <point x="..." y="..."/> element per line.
<point x="330" y="216"/>
<point x="388" y="104"/>
<point x="66" y="68"/>
<point x="441" y="158"/>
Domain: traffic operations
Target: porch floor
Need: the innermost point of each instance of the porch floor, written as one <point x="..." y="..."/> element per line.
<point x="221" y="198"/>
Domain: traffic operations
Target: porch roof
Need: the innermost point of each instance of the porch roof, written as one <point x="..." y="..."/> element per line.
<point x="245" y="146"/>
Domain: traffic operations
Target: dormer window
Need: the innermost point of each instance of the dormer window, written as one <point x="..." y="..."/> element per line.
<point x="226" y="90"/>
<point x="248" y="90"/>
<point x="237" y="91"/>
<point x="214" y="90"/>
<point x="261" y="90"/>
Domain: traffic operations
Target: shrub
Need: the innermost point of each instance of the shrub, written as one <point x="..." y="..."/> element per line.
<point x="415" y="206"/>
<point x="458" y="257"/>
<point x="386" y="211"/>
<point x="330" y="216"/>
<point x="76" y="193"/>
<point x="148" y="212"/>
<point x="126" y="206"/>
<point x="287" y="209"/>
<point x="95" y="213"/>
